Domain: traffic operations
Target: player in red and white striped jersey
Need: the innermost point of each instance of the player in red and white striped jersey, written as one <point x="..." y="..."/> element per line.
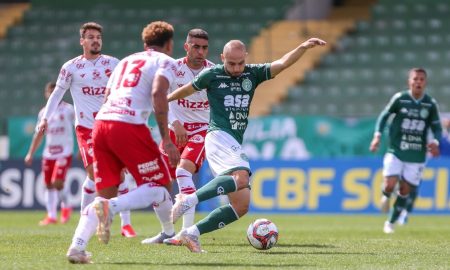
<point x="188" y="122"/>
<point x="56" y="157"/>
<point x="122" y="139"/>
<point x="86" y="76"/>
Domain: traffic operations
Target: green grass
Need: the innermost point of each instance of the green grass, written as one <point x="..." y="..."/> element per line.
<point x="306" y="242"/>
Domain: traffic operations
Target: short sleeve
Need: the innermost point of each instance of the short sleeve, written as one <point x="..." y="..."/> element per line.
<point x="201" y="81"/>
<point x="262" y="72"/>
<point x="65" y="77"/>
<point x="167" y="68"/>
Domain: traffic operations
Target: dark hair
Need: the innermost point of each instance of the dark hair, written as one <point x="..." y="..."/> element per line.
<point x="421" y="70"/>
<point x="88" y="26"/>
<point x="157" y="33"/>
<point x="197" y="33"/>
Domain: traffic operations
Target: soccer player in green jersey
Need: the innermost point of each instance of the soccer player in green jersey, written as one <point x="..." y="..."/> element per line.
<point x="230" y="88"/>
<point x="415" y="113"/>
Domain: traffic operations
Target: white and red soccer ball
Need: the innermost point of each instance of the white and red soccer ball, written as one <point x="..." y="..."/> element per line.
<point x="262" y="234"/>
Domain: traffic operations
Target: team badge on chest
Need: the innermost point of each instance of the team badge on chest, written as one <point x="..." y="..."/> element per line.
<point x="246" y="84"/>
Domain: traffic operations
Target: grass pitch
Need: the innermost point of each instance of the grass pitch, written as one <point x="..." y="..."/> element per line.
<point x="306" y="242"/>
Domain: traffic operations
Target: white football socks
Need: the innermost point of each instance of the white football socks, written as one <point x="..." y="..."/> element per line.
<point x="51" y="202"/>
<point x="163" y="211"/>
<point x="85" y="229"/>
<point x="125" y="217"/>
<point x="62" y="195"/>
<point x="186" y="186"/>
<point x="87" y="193"/>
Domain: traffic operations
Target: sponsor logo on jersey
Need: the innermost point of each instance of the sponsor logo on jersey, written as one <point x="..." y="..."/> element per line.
<point x="93" y="91"/>
<point x="222" y="76"/>
<point x="79" y="66"/>
<point x="153" y="177"/>
<point x="193" y="104"/>
<point x="147" y="167"/>
<point x="223" y="85"/>
<point x="180" y="74"/>
<point x="247" y="84"/>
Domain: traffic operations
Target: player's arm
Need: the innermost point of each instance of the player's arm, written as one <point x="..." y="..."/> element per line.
<point x="182" y="92"/>
<point x="291" y="57"/>
<point x="436" y="128"/>
<point x="52" y="103"/>
<point x="35" y="143"/>
<point x="381" y="123"/>
<point x="107" y="92"/>
<point x="161" y="107"/>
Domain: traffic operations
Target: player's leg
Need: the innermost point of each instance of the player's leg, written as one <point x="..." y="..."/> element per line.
<point x="162" y="211"/>
<point x="225" y="156"/>
<point x="84" y="138"/>
<point x="411" y="176"/>
<point x="411" y="180"/>
<point x="141" y="157"/>
<point x="192" y="158"/>
<point x="89" y="219"/>
<point x="392" y="167"/>
<point x="217" y="219"/>
<point x="88" y="189"/>
<point x="50" y="193"/>
<point x="186" y="186"/>
<point x="59" y="174"/>
<point x="125" y="216"/>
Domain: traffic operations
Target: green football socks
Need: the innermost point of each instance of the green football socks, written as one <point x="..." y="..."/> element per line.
<point x="220" y="185"/>
<point x="399" y="205"/>
<point x="411" y="199"/>
<point x="217" y="219"/>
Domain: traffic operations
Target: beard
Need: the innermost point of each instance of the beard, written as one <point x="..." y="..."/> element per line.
<point x="95" y="52"/>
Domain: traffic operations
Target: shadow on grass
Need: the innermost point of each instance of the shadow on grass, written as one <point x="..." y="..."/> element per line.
<point x="278" y="245"/>
<point x="214" y="264"/>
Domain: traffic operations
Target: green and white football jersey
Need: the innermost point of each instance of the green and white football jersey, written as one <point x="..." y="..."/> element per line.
<point x="409" y="128"/>
<point x="230" y="97"/>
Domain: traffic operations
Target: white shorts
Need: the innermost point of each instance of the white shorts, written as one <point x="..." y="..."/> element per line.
<point x="224" y="153"/>
<point x="409" y="171"/>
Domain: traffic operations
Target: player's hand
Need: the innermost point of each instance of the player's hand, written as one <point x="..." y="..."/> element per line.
<point x="28" y="159"/>
<point x="42" y="126"/>
<point x="180" y="133"/>
<point x="433" y="148"/>
<point x="374" y="144"/>
<point x="313" y="42"/>
<point x="172" y="152"/>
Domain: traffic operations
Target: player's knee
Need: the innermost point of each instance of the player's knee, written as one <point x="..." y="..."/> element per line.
<point x="241" y="210"/>
<point x="58" y="184"/>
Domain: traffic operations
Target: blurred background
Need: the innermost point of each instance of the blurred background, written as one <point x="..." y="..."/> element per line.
<point x="311" y="126"/>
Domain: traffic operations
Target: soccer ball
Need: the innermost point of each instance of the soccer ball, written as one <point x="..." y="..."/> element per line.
<point x="262" y="234"/>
